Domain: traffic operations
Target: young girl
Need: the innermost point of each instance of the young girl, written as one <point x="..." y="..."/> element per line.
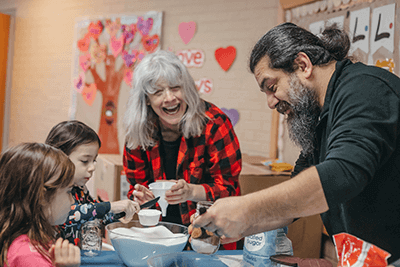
<point x="35" y="185"/>
<point x="81" y="144"/>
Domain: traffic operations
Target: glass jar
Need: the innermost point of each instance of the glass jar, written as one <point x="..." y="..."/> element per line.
<point x="91" y="240"/>
<point x="204" y="241"/>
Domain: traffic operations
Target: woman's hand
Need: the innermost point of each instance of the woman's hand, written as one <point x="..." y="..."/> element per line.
<point x="65" y="254"/>
<point x="142" y="194"/>
<point x="183" y="191"/>
<point x="128" y="206"/>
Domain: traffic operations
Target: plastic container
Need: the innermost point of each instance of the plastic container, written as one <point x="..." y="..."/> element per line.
<point x="258" y="248"/>
<point x="149" y="217"/>
<point x="159" y="188"/>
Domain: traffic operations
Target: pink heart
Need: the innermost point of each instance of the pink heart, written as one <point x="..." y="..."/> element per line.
<point x="129" y="32"/>
<point x="129" y="59"/>
<point x="233" y="115"/>
<point x="128" y="75"/>
<point x="84" y="61"/>
<point x="186" y="31"/>
<point x="89" y="93"/>
<point x="79" y="82"/>
<point x="144" y="26"/>
<point x="113" y="26"/>
<point x="116" y="45"/>
<point x="84" y="43"/>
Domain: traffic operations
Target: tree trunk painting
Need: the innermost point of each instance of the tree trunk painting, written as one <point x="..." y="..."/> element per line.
<point x="108" y="53"/>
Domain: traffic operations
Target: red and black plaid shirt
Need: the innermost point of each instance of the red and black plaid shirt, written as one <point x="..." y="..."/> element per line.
<point x="212" y="159"/>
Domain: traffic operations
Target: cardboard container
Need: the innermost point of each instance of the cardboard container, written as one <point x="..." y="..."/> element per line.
<point x="107" y="177"/>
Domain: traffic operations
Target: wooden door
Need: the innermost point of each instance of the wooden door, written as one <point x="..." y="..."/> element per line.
<point x="4" y="37"/>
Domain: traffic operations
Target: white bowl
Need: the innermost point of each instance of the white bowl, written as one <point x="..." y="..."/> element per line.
<point x="149" y="217"/>
<point x="136" y="243"/>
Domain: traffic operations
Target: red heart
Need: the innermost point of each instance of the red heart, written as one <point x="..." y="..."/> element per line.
<point x="89" y="93"/>
<point x="150" y="43"/>
<point x="95" y="29"/>
<point x="225" y="56"/>
<point x="83" y="44"/>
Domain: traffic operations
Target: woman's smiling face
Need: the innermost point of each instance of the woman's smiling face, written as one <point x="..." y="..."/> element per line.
<point x="168" y="103"/>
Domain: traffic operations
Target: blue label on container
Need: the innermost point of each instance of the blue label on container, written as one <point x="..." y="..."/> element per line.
<point x="259" y="247"/>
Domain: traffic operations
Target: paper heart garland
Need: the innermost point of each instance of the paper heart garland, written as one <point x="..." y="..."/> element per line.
<point x="186" y="31"/>
<point x="150" y="43"/>
<point x="116" y="45"/>
<point x="225" y="57"/>
<point x="233" y="115"/>
<point x="144" y="26"/>
<point x="89" y="93"/>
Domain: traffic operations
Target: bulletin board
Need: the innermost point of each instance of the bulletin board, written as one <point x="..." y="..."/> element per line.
<point x="373" y="27"/>
<point x="106" y="52"/>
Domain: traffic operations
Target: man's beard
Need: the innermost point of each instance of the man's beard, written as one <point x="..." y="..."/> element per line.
<point x="303" y="119"/>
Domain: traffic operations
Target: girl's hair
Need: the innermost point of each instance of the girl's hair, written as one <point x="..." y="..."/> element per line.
<point x="283" y="43"/>
<point x="68" y="135"/>
<point x="30" y="175"/>
<point x="140" y="120"/>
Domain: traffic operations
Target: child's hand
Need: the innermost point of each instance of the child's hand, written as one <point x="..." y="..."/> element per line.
<point x="65" y="254"/>
<point x="128" y="206"/>
<point x="142" y="194"/>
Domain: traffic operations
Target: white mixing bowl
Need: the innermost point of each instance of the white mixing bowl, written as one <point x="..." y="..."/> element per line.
<point x="135" y="243"/>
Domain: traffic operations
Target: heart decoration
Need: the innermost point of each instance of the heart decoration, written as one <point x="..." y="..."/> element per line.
<point x="144" y="26"/>
<point x="83" y="44"/>
<point x="129" y="59"/>
<point x="128" y="76"/>
<point x="186" y="31"/>
<point x="84" y="61"/>
<point x="141" y="55"/>
<point x="113" y="27"/>
<point x="89" y="93"/>
<point x="116" y="45"/>
<point x="150" y="43"/>
<point x="233" y="115"/>
<point x="98" y="52"/>
<point x="95" y="29"/>
<point x="129" y="32"/>
<point x="79" y="82"/>
<point x="225" y="57"/>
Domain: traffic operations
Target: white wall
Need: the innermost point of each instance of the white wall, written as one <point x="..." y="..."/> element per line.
<point x="41" y="77"/>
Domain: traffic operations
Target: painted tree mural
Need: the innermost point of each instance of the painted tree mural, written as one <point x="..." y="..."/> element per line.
<point x="108" y="51"/>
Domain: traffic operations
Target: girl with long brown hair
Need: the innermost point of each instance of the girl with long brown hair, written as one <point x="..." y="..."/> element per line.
<point x="35" y="184"/>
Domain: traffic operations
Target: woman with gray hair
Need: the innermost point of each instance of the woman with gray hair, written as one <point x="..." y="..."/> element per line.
<point x="172" y="134"/>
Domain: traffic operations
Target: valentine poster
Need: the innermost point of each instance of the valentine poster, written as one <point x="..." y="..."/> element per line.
<point x="106" y="51"/>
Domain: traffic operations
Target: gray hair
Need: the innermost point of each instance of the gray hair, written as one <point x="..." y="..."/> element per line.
<point x="140" y="121"/>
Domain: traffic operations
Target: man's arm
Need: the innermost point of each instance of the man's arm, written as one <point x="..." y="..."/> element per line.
<point x="268" y="209"/>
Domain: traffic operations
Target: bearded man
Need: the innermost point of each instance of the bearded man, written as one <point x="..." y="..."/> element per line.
<point x="345" y="117"/>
